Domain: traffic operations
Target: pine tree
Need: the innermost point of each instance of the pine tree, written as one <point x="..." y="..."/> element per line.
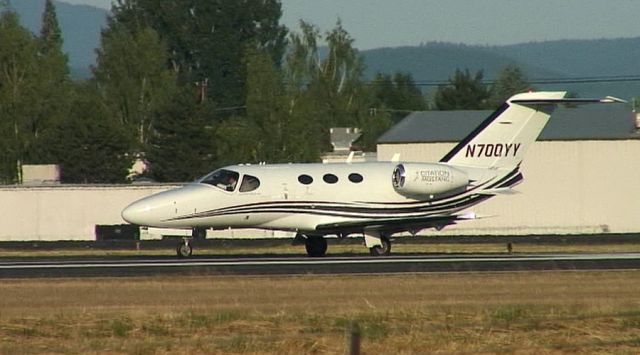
<point x="266" y="105"/>
<point x="50" y="32"/>
<point x="18" y="82"/>
<point x="89" y="144"/>
<point x="182" y="143"/>
<point x="53" y="86"/>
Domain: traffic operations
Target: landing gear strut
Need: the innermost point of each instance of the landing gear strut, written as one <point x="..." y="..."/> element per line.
<point x="316" y="246"/>
<point x="379" y="244"/>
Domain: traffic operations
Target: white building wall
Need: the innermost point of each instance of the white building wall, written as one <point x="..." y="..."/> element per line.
<point x="570" y="187"/>
<point x="64" y="212"/>
<point x="70" y="212"/>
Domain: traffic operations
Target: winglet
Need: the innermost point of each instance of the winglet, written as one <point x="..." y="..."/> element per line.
<point x="611" y="99"/>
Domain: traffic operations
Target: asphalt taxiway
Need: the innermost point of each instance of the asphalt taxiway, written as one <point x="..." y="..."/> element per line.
<point x="293" y="265"/>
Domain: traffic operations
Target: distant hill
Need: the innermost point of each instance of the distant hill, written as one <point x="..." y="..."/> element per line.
<point x="80" y="26"/>
<point x="539" y="60"/>
<point x="436" y="61"/>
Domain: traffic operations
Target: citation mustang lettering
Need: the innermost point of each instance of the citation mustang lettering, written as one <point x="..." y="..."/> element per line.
<point x="375" y="199"/>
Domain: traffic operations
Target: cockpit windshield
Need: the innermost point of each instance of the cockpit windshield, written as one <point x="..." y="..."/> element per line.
<point x="222" y="179"/>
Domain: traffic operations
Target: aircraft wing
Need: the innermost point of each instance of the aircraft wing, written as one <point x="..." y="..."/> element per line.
<point x="392" y="225"/>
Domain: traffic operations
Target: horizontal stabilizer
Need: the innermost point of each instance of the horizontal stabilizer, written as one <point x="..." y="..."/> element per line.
<point x="547" y="101"/>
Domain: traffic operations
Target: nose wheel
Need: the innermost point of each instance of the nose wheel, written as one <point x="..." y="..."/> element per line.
<point x="184" y="249"/>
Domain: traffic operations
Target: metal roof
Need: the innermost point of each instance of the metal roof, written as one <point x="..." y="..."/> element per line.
<point x="592" y="122"/>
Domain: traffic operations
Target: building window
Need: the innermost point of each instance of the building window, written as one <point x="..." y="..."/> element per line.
<point x="330" y="178"/>
<point x="305" y="179"/>
<point x="355" y="178"/>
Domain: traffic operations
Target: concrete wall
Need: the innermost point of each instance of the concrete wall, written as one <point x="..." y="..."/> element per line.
<point x="570" y="187"/>
<point x="70" y="212"/>
<point x="64" y="212"/>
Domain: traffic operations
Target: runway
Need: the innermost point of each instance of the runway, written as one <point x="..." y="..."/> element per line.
<point x="293" y="265"/>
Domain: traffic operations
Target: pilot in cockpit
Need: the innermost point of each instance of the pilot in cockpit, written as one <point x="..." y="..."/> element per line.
<point x="231" y="183"/>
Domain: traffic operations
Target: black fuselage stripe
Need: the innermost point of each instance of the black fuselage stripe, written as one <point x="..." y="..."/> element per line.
<point x="341" y="213"/>
<point x="463" y="143"/>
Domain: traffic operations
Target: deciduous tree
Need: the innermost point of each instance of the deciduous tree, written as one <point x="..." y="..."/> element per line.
<point x="133" y="77"/>
<point x="511" y="81"/>
<point x="464" y="92"/>
<point x="397" y="94"/>
<point x="207" y="38"/>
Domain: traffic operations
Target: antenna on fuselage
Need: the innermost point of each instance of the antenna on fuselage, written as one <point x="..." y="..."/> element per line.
<point x="350" y="157"/>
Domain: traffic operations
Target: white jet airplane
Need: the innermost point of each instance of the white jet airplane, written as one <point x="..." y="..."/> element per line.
<point x="375" y="199"/>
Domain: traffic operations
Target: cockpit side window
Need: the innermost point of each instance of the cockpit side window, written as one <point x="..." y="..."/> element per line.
<point x="222" y="179"/>
<point x="249" y="183"/>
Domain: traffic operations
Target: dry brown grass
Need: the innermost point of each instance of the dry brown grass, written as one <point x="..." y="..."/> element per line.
<point x="524" y="313"/>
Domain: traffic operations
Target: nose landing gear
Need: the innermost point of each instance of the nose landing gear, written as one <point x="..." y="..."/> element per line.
<point x="184" y="249"/>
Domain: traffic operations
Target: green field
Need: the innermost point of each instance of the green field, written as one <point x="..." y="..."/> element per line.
<point x="515" y="312"/>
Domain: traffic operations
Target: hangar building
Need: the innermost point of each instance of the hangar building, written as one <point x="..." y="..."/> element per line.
<point x="582" y="176"/>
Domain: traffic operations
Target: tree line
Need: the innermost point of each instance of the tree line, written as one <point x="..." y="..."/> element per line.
<point x="189" y="86"/>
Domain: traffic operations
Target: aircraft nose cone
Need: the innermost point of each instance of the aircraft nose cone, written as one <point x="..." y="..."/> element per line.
<point x="135" y="213"/>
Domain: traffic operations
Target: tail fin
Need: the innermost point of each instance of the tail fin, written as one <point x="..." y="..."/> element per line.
<point x="504" y="137"/>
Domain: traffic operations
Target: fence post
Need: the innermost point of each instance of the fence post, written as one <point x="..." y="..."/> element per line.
<point x="354" y="339"/>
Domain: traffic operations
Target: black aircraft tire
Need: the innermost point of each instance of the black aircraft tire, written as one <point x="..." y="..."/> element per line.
<point x="383" y="250"/>
<point x="316" y="246"/>
<point x="184" y="250"/>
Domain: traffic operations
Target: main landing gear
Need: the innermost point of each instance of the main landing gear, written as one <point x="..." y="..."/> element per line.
<point x="316" y="246"/>
<point x="378" y="243"/>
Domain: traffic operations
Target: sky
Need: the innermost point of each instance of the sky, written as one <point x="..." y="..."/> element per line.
<point x="387" y="23"/>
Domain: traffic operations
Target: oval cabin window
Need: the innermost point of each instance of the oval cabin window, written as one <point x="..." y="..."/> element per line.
<point x="249" y="183"/>
<point x="305" y="179"/>
<point x="355" y="178"/>
<point x="330" y="178"/>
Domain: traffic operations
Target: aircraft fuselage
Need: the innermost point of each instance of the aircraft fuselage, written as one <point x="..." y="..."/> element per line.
<point x="296" y="197"/>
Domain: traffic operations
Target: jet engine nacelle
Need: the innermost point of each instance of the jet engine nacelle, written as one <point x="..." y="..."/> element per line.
<point x="428" y="180"/>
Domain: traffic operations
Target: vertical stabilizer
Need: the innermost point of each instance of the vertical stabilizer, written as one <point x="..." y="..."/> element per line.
<point x="503" y="138"/>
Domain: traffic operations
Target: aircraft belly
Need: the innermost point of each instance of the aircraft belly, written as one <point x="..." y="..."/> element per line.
<point x="246" y="220"/>
<point x="301" y="222"/>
